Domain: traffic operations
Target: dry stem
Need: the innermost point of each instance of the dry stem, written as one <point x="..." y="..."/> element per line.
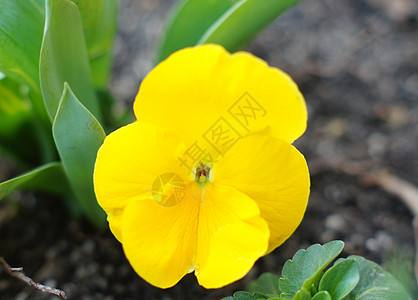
<point x="18" y="273"/>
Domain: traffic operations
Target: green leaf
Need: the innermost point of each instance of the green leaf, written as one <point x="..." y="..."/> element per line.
<point x="306" y="267"/>
<point x="324" y="295"/>
<point x="99" y="18"/>
<point x="341" y="279"/>
<point x="49" y="178"/>
<point x="267" y="284"/>
<point x="21" y="27"/>
<point x="188" y="23"/>
<point x="78" y="136"/>
<point x="246" y="296"/>
<point x="375" y="283"/>
<point x="243" y="21"/>
<point x="302" y="294"/>
<point x="64" y="57"/>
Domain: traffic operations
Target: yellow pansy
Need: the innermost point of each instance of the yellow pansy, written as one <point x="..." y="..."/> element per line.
<point x="206" y="180"/>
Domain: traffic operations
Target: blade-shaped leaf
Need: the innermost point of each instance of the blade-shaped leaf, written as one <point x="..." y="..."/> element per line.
<point x="324" y="295"/>
<point x="49" y="178"/>
<point x="188" y="23"/>
<point x="78" y="136"/>
<point x="306" y="266"/>
<point x="243" y="21"/>
<point x="267" y="284"/>
<point x="21" y="28"/>
<point x="341" y="279"/>
<point x="375" y="283"/>
<point x="64" y="57"/>
<point x="99" y="19"/>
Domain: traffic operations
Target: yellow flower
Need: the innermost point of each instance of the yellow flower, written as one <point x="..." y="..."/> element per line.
<point x="207" y="180"/>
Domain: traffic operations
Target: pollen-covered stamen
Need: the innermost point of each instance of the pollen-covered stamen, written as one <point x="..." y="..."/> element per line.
<point x="202" y="173"/>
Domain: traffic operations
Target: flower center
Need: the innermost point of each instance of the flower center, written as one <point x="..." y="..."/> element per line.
<point x="202" y="173"/>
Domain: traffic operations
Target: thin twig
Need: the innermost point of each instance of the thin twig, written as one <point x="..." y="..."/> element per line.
<point x="18" y="273"/>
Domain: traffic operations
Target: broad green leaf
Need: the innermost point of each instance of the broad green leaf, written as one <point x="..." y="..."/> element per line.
<point x="306" y="266"/>
<point x="64" y="57"/>
<point x="324" y="295"/>
<point x="243" y="21"/>
<point x="188" y="23"/>
<point x="78" y="136"/>
<point x="375" y="283"/>
<point x="341" y="279"/>
<point x="302" y="294"/>
<point x="267" y="284"/>
<point x="21" y="27"/>
<point x="99" y="18"/>
<point x="48" y="178"/>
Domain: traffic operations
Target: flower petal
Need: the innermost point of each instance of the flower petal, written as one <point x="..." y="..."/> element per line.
<point x="275" y="175"/>
<point x="231" y="236"/>
<point x="128" y="163"/>
<point x="160" y="242"/>
<point x="195" y="87"/>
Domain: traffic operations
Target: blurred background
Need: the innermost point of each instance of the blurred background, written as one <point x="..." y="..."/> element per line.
<point x="356" y="62"/>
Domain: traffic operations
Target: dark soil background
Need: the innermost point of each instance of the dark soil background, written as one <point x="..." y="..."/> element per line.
<point x="356" y="62"/>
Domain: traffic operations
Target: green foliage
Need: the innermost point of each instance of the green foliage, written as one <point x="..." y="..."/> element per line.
<point x="375" y="283"/>
<point x="267" y="283"/>
<point x="303" y="278"/>
<point x="14" y="108"/>
<point x="302" y="294"/>
<point x="400" y="262"/>
<point x="38" y="179"/>
<point x="78" y="136"/>
<point x="189" y="22"/>
<point x="44" y="43"/>
<point x="21" y="27"/>
<point x="242" y="22"/>
<point x="64" y="57"/>
<point x="324" y="295"/>
<point x="99" y="18"/>
<point x="340" y="279"/>
<point x="246" y="296"/>
<point x="305" y="268"/>
<point x="232" y="23"/>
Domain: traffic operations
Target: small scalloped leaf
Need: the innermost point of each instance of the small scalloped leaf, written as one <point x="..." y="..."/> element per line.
<point x="267" y="284"/>
<point x="246" y="296"/>
<point x="306" y="266"/>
